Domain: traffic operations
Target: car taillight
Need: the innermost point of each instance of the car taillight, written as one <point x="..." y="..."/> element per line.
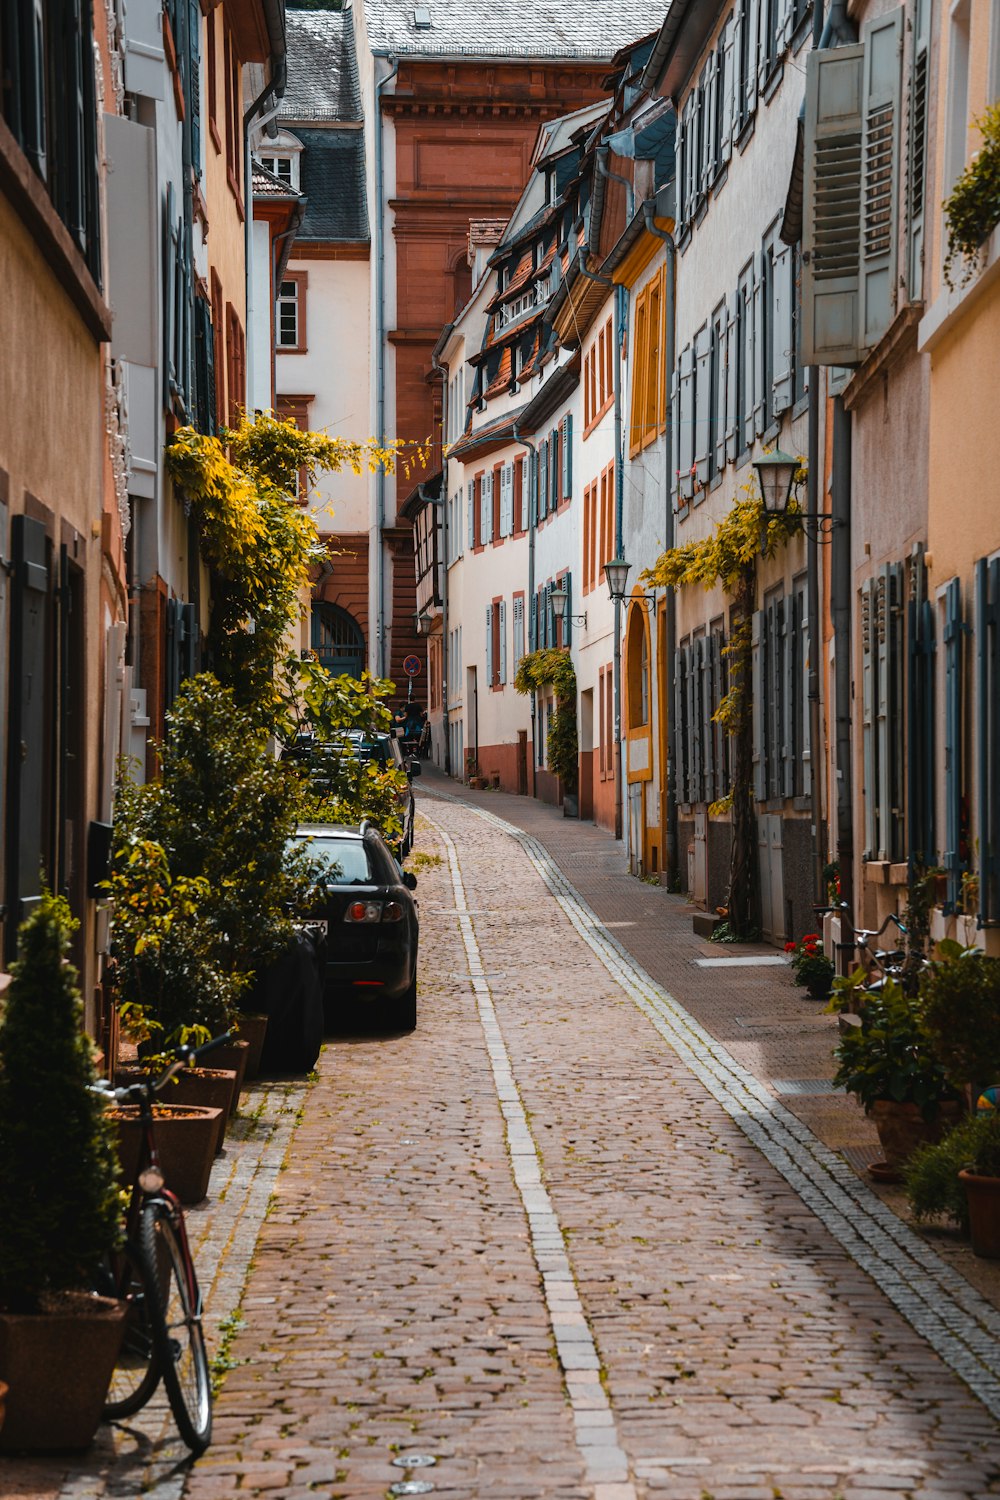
<point x="393" y="912"/>
<point x="363" y="911"/>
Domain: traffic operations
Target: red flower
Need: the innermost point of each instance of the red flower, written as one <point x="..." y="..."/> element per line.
<point x="790" y="947"/>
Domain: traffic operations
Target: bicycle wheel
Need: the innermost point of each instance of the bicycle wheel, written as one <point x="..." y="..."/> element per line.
<point x="137" y="1373"/>
<point x="177" y="1332"/>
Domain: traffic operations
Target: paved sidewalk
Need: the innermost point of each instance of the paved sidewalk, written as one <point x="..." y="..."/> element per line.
<point x="759" y="1014"/>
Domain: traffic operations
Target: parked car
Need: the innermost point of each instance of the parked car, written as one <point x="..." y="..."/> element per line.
<point x="369" y="916"/>
<point x="371" y="746"/>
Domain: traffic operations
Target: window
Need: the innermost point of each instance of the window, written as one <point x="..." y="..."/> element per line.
<point x="496" y="644"/>
<point x="211" y="67"/>
<point x="234" y="120"/>
<point x="290" y="320"/>
<point x="606" y="722"/>
<point x="236" y="364"/>
<point x="280" y="166"/>
<point x="638" y="668"/>
<point x="648" y="410"/>
<point x="700" y="744"/>
<point x="598" y="528"/>
<point x="987" y="697"/>
<point x="883" y="723"/>
<point x="518" y="629"/>
<point x="598" y="378"/>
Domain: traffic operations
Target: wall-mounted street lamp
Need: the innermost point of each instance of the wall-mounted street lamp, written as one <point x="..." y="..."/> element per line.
<point x="559" y="599"/>
<point x="422" y="623"/>
<point x="616" y="573"/>
<point x="776" y="478"/>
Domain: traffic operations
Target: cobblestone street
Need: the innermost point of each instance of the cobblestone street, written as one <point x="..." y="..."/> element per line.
<point x="564" y="1242"/>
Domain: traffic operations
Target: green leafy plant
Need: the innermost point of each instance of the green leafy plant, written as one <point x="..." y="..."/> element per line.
<point x="58" y="1190"/>
<point x="960" y="994"/>
<point x="809" y="963"/>
<point x="553" y="668"/>
<point x="890" y="1055"/>
<point x="931" y="1175"/>
<point x="972" y="208"/>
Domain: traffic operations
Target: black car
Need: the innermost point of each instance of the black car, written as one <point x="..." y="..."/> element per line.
<point x="370" y="917"/>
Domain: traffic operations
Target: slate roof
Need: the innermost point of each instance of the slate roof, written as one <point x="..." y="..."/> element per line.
<point x="322" y="68"/>
<point x="482" y="28"/>
<point x="332" y="177"/>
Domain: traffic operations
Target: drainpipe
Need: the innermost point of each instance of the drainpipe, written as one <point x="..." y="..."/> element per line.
<point x="619" y="513"/>
<point x="276" y="259"/>
<point x="601" y="157"/>
<point x="444" y="371"/>
<point x="380" y="610"/>
<point x="532" y="521"/>
<point x="840" y="611"/>
<point x="274" y="87"/>
<point x="671" y="854"/>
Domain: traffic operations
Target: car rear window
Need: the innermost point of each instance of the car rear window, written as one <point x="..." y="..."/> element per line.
<point x="346" y="860"/>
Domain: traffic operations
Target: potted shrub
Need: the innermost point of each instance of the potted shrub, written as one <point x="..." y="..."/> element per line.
<point x="888" y="1063"/>
<point x="960" y="995"/>
<point x="959" y="1178"/>
<point x="59" y="1203"/>
<point x="810" y="965"/>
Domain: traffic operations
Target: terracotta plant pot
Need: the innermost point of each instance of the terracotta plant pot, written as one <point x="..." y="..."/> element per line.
<point x="251" y="1029"/>
<point x="209" y="1088"/>
<point x="233" y="1056"/>
<point x="58" y="1365"/>
<point x="185" y="1136"/>
<point x="983" y="1195"/>
<point x="902" y="1128"/>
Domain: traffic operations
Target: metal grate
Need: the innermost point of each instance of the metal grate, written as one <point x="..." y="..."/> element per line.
<point x="804" y="1086"/>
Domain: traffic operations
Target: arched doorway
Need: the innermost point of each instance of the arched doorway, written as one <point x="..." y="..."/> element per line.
<point x="337" y="640"/>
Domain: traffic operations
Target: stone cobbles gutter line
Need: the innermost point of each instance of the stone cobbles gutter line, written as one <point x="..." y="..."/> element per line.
<point x="604" y="1459"/>
<point x="939" y="1304"/>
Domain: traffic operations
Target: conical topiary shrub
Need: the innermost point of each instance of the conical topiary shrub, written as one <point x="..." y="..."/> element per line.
<point x="59" y="1204"/>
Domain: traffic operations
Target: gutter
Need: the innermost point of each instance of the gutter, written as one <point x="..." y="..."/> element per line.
<point x="380" y="610"/>
<point x="444" y="370"/>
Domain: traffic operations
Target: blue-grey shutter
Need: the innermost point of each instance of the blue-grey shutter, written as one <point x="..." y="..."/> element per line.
<point x="789" y="695"/>
<point x="988" y="735"/>
<point x="525" y="492"/>
<point x="567" y="462"/>
<point x="554" y="441"/>
<point x="486" y="508"/>
<point x="882" y="40"/>
<point x="710" y="120"/>
<point x="708" y="727"/>
<point x="27" y="698"/>
<point x="489" y="646"/>
<point x="675" y="436"/>
<point x="503" y="642"/>
<point x="785" y="21"/>
<point x="757" y="678"/>
<point x="720" y="353"/>
<point x="567" y="584"/>
<point x="543" y="479"/>
<point x="953" y="738"/>
<point x="472" y="514"/>
<point x="550" y="619"/>
<point x="920" y="733"/>
<point x="869" y="674"/>
<point x="781" y="330"/>
<point x="880" y="791"/>
<point x="686" y="423"/>
<point x="733" y="416"/>
<point x="693" y="677"/>
<point x="831" y="225"/>
<point x="759" y="335"/>
<point x="916" y="164"/>
<point x="895" y="837"/>
<point x="533" y="624"/>
<point x="752" y="29"/>
<point x="747" y="359"/>
<point x="805" y="727"/>
<point x="192" y="89"/>
<point x="727" y="89"/>
<point x="680" y="164"/>
<point x="702" y="401"/>
<point x="678" y="738"/>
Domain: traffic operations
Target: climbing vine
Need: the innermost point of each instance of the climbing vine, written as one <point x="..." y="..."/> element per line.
<point x="729" y="556"/>
<point x="258" y="543"/>
<point x="552" y="668"/>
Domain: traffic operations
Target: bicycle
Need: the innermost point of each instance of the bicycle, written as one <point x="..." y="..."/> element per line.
<point x="154" y="1275"/>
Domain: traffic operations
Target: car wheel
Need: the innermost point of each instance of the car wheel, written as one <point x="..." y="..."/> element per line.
<point x="403" y="1012"/>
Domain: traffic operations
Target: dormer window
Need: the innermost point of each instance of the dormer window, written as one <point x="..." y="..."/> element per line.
<point x="422" y="17"/>
<point x="284" y="165"/>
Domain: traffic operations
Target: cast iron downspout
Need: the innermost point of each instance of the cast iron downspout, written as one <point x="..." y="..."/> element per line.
<point x="670" y="612"/>
<point x="444" y="371"/>
<point x="601" y="156"/>
<point x="380" y="84"/>
<point x="275" y="86"/>
<point x="619" y="517"/>
<point x="840" y="613"/>
<point x="532" y="520"/>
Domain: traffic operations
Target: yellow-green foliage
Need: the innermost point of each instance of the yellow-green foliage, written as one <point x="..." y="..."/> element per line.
<point x="733" y="547"/>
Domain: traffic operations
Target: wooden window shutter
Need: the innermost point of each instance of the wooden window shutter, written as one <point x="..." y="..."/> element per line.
<point x="694" y="675"/>
<point x="757" y="681"/>
<point x="567" y="456"/>
<point x="988" y="735"/>
<point x="543" y="479"/>
<point x="880" y="182"/>
<point x="751" y="43"/>
<point x="686" y="423"/>
<point x="721" y="359"/>
<point x="953" y="709"/>
<point x="709" y="120"/>
<point x="679" y="741"/>
<point x="525" y="491"/>
<point x="675" y="435"/>
<point x="920" y="705"/>
<point x="785" y="23"/>
<point x="781" y="331"/>
<point x="533" y="624"/>
<point x="567" y="584"/>
<point x="489" y="645"/>
<point x="503" y="641"/>
<point x="555" y="466"/>
<point x="727" y="90"/>
<point x="702" y="400"/>
<point x="759" y="334"/>
<point x="805" y="739"/>
<point x="916" y="155"/>
<point x="747" y="359"/>
<point x="680" y="164"/>
<point x="869" y="669"/>
<point x="733" y="416"/>
<point x="707" y="727"/>
<point x="831" y="231"/>
<point x="471" y="525"/>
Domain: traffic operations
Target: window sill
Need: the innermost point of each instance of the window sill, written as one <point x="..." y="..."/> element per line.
<point x="951" y="306"/>
<point x="773" y="82"/>
<point x="742" y="140"/>
<point x="213" y="131"/>
<point x="801" y="406"/>
<point x="803" y="30"/>
<point x="288" y="349"/>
